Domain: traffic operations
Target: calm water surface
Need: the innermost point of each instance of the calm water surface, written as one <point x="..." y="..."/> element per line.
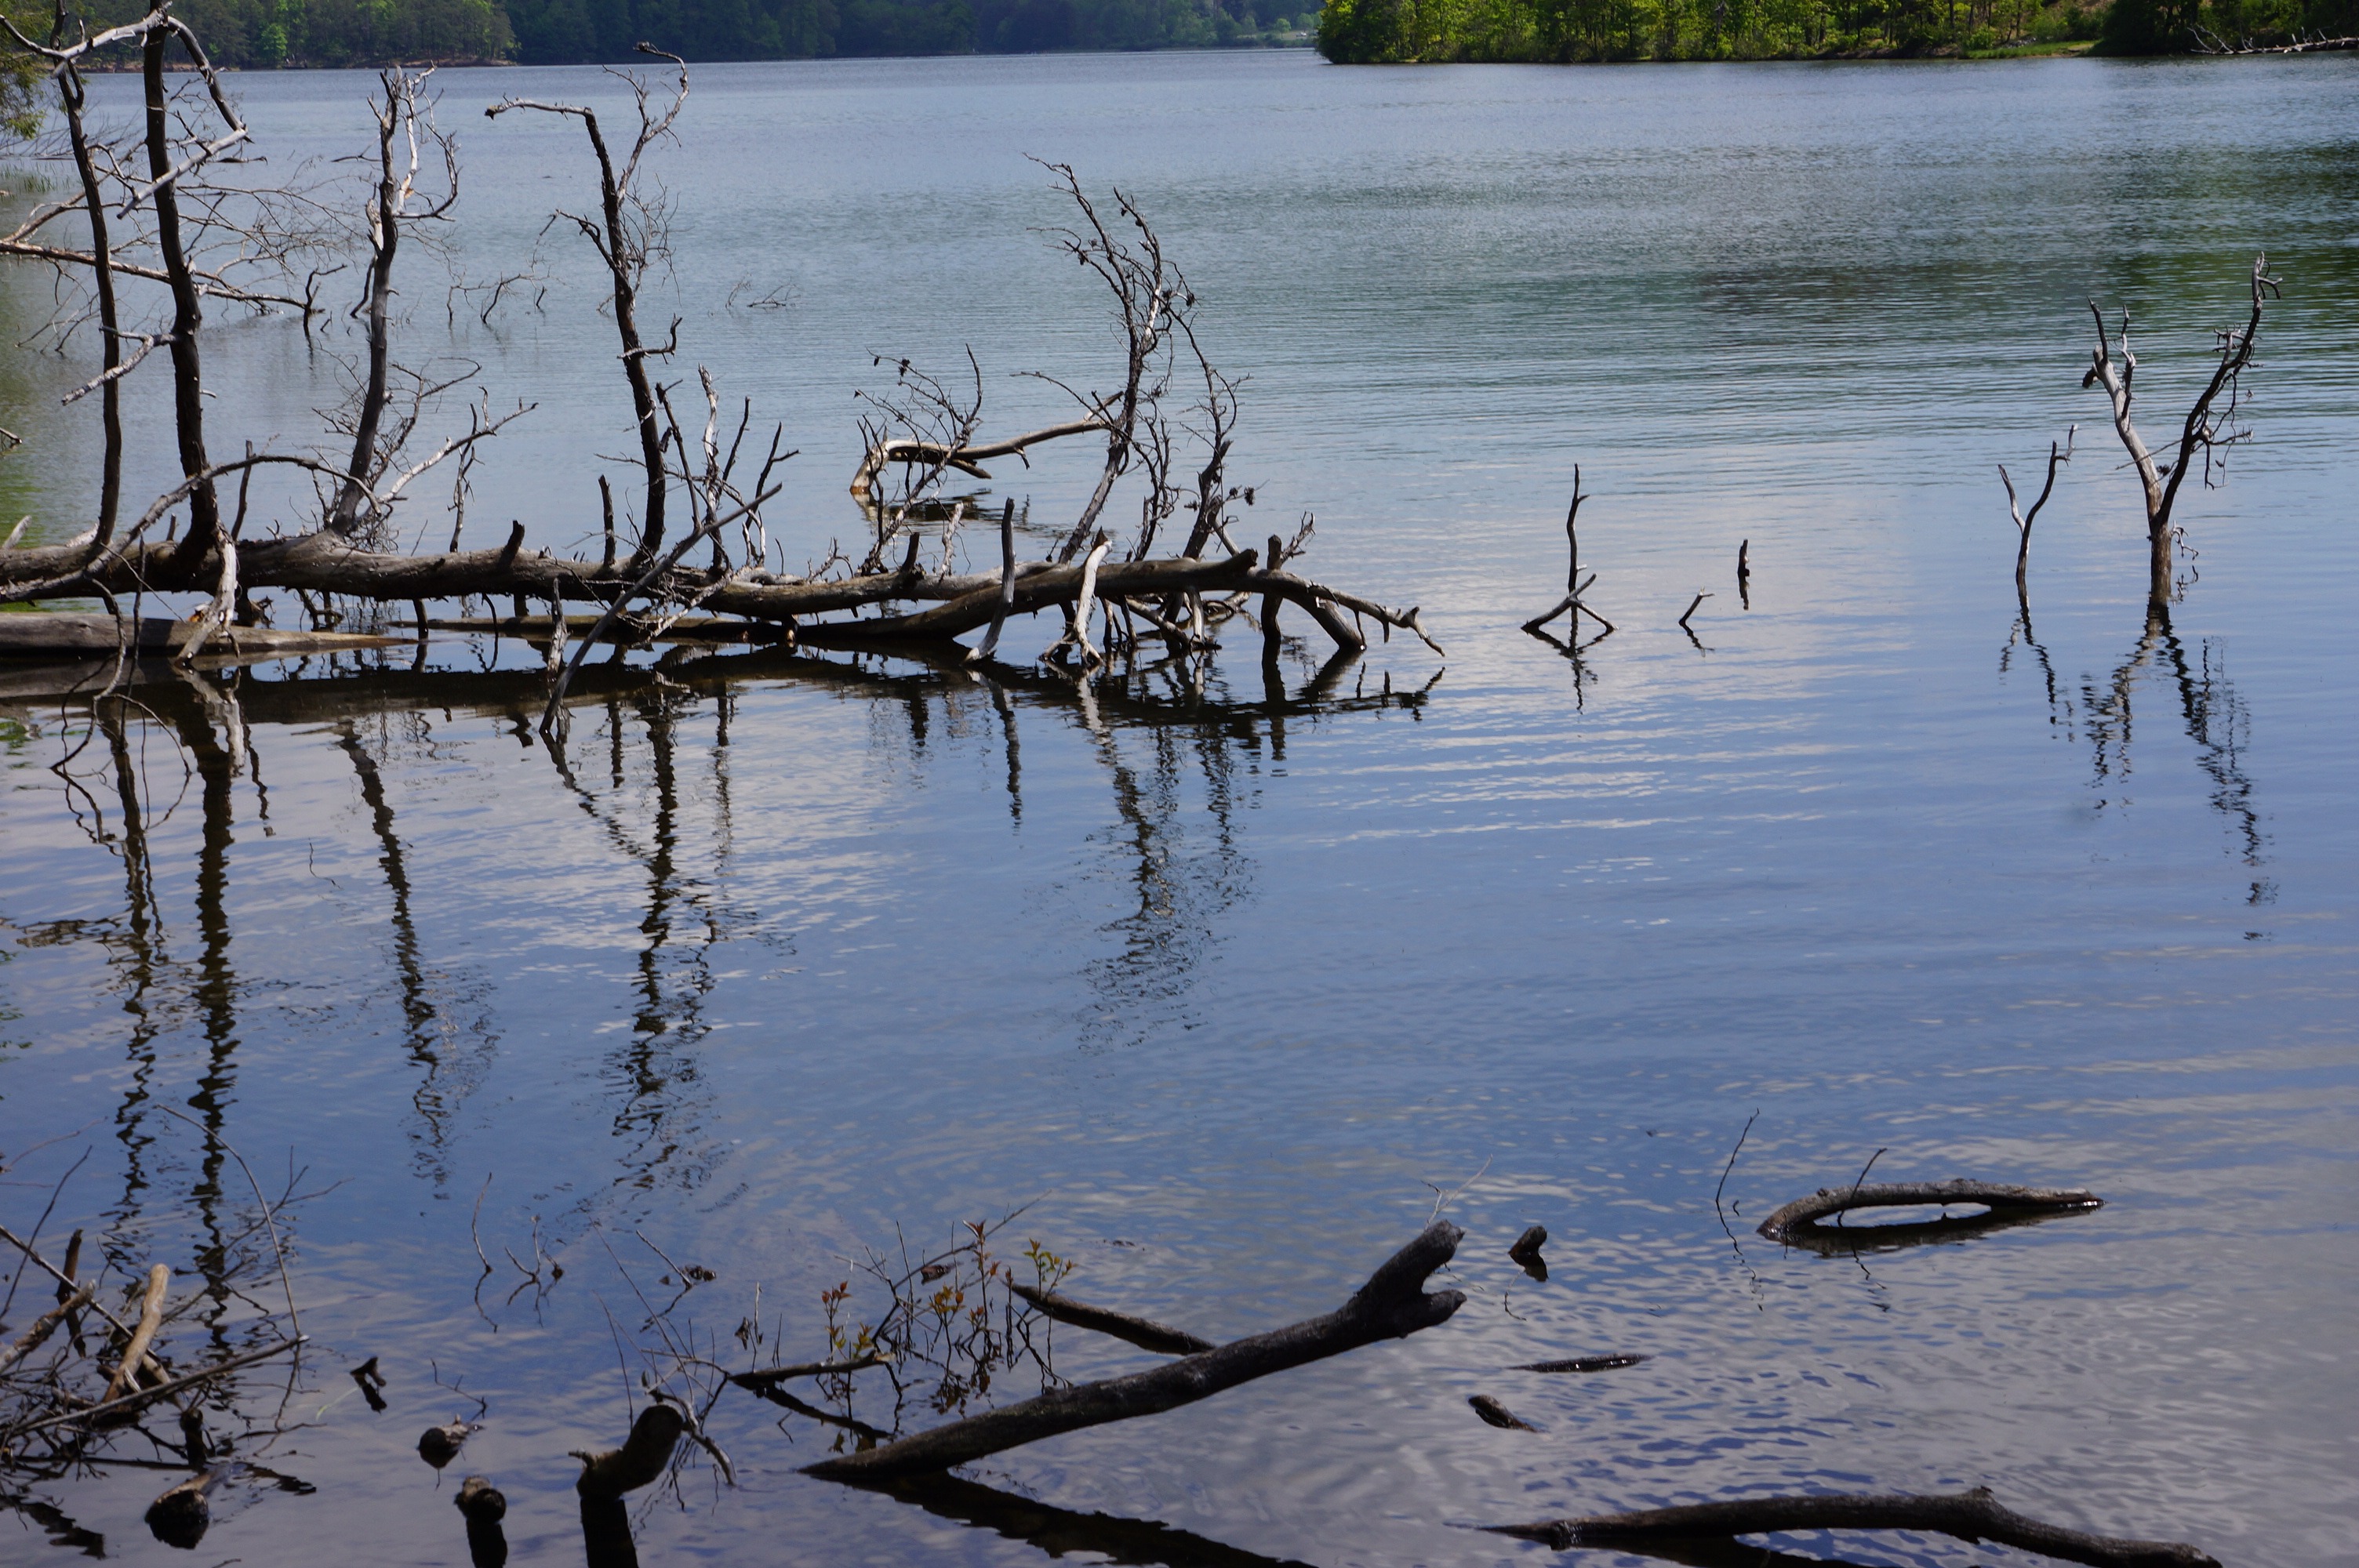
<point x="783" y="952"/>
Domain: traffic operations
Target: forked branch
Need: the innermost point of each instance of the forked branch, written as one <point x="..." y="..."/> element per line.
<point x="1391" y="1306"/>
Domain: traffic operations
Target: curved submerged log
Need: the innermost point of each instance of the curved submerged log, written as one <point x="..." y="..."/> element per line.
<point x="1393" y="1304"/>
<point x="1797" y="1218"/>
<point x="1967" y="1515"/>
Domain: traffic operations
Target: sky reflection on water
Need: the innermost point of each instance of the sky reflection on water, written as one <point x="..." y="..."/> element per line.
<point x="782" y="951"/>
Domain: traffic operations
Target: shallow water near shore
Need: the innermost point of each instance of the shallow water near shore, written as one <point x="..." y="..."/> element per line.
<point x="787" y="956"/>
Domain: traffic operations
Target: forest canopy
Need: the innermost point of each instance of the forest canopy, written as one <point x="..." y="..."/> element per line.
<point x="1390" y="31"/>
<point x="266" y="34"/>
<point x="262" y="34"/>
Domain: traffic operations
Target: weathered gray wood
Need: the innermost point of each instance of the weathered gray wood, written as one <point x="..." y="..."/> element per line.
<point x="1968" y="1516"/>
<point x="1391" y="1306"/>
<point x="48" y="635"/>
<point x="1145" y="1333"/>
<point x="1998" y="1198"/>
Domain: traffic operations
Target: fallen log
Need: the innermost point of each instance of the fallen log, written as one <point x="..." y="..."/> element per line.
<point x="1967" y="1515"/>
<point x="1494" y="1414"/>
<point x="1393" y="1304"/>
<point x="1802" y="1214"/>
<point x="48" y="635"/>
<point x="1145" y="1333"/>
<point x="1581" y="1364"/>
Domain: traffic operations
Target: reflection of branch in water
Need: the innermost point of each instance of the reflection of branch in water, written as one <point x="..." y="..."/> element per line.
<point x="1060" y="1532"/>
<point x="2060" y="707"/>
<point x="1583" y="678"/>
<point x="2215" y="719"/>
<point x="450" y="1075"/>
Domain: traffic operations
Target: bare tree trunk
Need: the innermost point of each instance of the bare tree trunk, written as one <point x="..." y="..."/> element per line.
<point x="110" y="322"/>
<point x="188" y="374"/>
<point x="385" y="226"/>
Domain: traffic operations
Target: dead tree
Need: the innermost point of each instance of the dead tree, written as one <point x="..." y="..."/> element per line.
<point x="2209" y="428"/>
<point x="395" y="207"/>
<point x="1570" y="604"/>
<point x="2057" y="457"/>
<point x="629" y="231"/>
<point x="643" y="594"/>
<point x="1149" y="295"/>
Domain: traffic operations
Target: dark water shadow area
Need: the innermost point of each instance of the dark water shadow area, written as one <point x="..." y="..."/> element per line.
<point x="1063" y="1532"/>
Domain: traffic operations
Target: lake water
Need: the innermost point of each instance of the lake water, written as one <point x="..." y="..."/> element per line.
<point x="1225" y="980"/>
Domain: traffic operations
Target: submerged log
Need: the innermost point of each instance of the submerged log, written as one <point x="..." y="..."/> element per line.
<point x="48" y="635"/>
<point x="1583" y="1363"/>
<point x="1393" y="1304"/>
<point x="1145" y="1333"/>
<point x="1795" y="1219"/>
<point x="1967" y="1515"/>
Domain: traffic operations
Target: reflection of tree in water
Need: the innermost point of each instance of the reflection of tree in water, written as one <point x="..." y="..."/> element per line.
<point x="452" y="1057"/>
<point x="1174" y="744"/>
<point x="2211" y="710"/>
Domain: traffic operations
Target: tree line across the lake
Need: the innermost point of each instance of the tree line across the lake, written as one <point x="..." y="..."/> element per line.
<point x="266" y="34"/>
<point x="262" y="34"/>
<point x="1374" y="32"/>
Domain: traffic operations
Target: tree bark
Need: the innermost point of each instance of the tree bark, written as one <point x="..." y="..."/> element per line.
<point x="187" y="317"/>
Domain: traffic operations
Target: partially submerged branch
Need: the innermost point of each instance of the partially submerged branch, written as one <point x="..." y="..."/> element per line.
<point x="1392" y="1304"/>
<point x="1967" y="1515"/>
<point x="1998" y="1198"/>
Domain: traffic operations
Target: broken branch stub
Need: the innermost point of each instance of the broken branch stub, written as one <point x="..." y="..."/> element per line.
<point x="1968" y="1516"/>
<point x="1393" y="1304"/>
<point x="1798" y="1217"/>
<point x="640" y="1459"/>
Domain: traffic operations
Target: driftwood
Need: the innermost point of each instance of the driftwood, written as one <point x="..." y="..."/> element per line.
<point x="965" y="458"/>
<point x="1494" y="1414"/>
<point x="1393" y="1303"/>
<point x="156" y="1391"/>
<point x="1144" y="1333"/>
<point x="483" y="1507"/>
<point x="1583" y="1363"/>
<point x="1968" y="1516"/>
<point x="1800" y="1216"/>
<point x="1526" y="1251"/>
<point x="47" y="636"/>
<point x="438" y="1446"/>
<point x="46" y="1324"/>
<point x="151" y="1318"/>
<point x="640" y="1459"/>
<point x="182" y="1516"/>
<point x="1570" y="605"/>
